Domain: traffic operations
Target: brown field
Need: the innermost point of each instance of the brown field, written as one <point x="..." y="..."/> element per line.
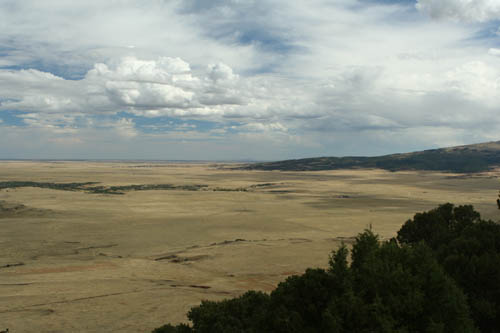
<point x="74" y="261"/>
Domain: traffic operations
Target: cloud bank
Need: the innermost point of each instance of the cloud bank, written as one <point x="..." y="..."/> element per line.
<point x="241" y="79"/>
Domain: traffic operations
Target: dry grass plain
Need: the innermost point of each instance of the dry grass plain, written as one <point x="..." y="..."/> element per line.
<point x="73" y="261"/>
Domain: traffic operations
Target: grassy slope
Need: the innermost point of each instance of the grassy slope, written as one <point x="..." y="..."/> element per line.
<point x="470" y="158"/>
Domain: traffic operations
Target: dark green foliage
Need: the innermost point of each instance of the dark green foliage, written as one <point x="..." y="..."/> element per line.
<point x="243" y="314"/>
<point x="298" y="304"/>
<point x="438" y="226"/>
<point x="181" y="328"/>
<point x="386" y="288"/>
<point x="453" y="160"/>
<point x="398" y="289"/>
<point x="468" y="248"/>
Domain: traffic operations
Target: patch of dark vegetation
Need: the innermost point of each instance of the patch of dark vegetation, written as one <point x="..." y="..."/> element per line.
<point x="169" y="257"/>
<point x="199" y="287"/>
<point x="111" y="256"/>
<point x="16" y="284"/>
<point x="53" y="186"/>
<point x="225" y="189"/>
<point x="117" y="190"/>
<point x="173" y="258"/>
<point x="263" y="185"/>
<point x="227" y="242"/>
<point x="104" y="190"/>
<point x="13" y="265"/>
<point x="144" y="187"/>
<point x="243" y="210"/>
<point x="190" y="286"/>
<point x="9" y="209"/>
<point x="343" y="239"/>
<point x="107" y="246"/>
<point x="149" y="187"/>
<point x="188" y="259"/>
<point x="91" y="187"/>
<point x="440" y="274"/>
<point x="458" y="159"/>
<point x="299" y="240"/>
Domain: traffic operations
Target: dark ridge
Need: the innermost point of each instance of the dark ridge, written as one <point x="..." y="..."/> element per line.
<point x="462" y="159"/>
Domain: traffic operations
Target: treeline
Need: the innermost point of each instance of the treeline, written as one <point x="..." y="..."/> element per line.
<point x="119" y="189"/>
<point x="90" y="188"/>
<point x="144" y="187"/>
<point x="454" y="160"/>
<point x="53" y="186"/>
<point x="440" y="274"/>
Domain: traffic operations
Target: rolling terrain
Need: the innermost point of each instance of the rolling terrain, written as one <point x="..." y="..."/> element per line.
<point x="461" y="159"/>
<point x="127" y="247"/>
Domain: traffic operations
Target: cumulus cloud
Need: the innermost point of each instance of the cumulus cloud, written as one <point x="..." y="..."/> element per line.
<point x="34" y="90"/>
<point x="461" y="10"/>
<point x="220" y="72"/>
<point x="164" y="70"/>
<point x="157" y="87"/>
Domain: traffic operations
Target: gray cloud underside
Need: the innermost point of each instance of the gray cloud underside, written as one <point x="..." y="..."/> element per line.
<point x="461" y="10"/>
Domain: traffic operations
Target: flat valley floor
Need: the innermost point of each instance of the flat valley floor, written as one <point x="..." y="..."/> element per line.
<point x="80" y="261"/>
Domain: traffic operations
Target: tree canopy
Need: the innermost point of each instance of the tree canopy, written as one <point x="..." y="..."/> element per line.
<point x="468" y="248"/>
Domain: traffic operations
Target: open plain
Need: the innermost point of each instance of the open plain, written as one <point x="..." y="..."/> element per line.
<point x="110" y="257"/>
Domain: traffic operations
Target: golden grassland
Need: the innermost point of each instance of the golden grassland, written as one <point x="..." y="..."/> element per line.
<point x="75" y="261"/>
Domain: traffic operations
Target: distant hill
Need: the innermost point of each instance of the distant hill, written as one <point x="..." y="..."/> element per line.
<point x="461" y="159"/>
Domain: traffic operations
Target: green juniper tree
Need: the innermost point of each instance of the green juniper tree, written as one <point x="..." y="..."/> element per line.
<point x="468" y="248"/>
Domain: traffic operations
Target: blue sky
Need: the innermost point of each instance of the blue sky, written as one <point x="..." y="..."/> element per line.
<point x="261" y="80"/>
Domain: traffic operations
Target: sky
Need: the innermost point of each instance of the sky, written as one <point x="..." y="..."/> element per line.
<point x="246" y="79"/>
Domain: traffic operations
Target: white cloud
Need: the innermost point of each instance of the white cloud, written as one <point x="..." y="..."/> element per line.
<point x="262" y="127"/>
<point x="476" y="81"/>
<point x="125" y="127"/>
<point x="74" y="36"/>
<point x="164" y="70"/>
<point x="461" y="10"/>
<point x="154" y="87"/>
<point x="221" y="72"/>
<point x="494" y="52"/>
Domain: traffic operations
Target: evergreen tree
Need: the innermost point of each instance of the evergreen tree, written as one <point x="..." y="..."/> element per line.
<point x="468" y="248"/>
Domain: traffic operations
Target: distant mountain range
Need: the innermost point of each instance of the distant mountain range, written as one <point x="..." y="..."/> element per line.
<point x="461" y="159"/>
